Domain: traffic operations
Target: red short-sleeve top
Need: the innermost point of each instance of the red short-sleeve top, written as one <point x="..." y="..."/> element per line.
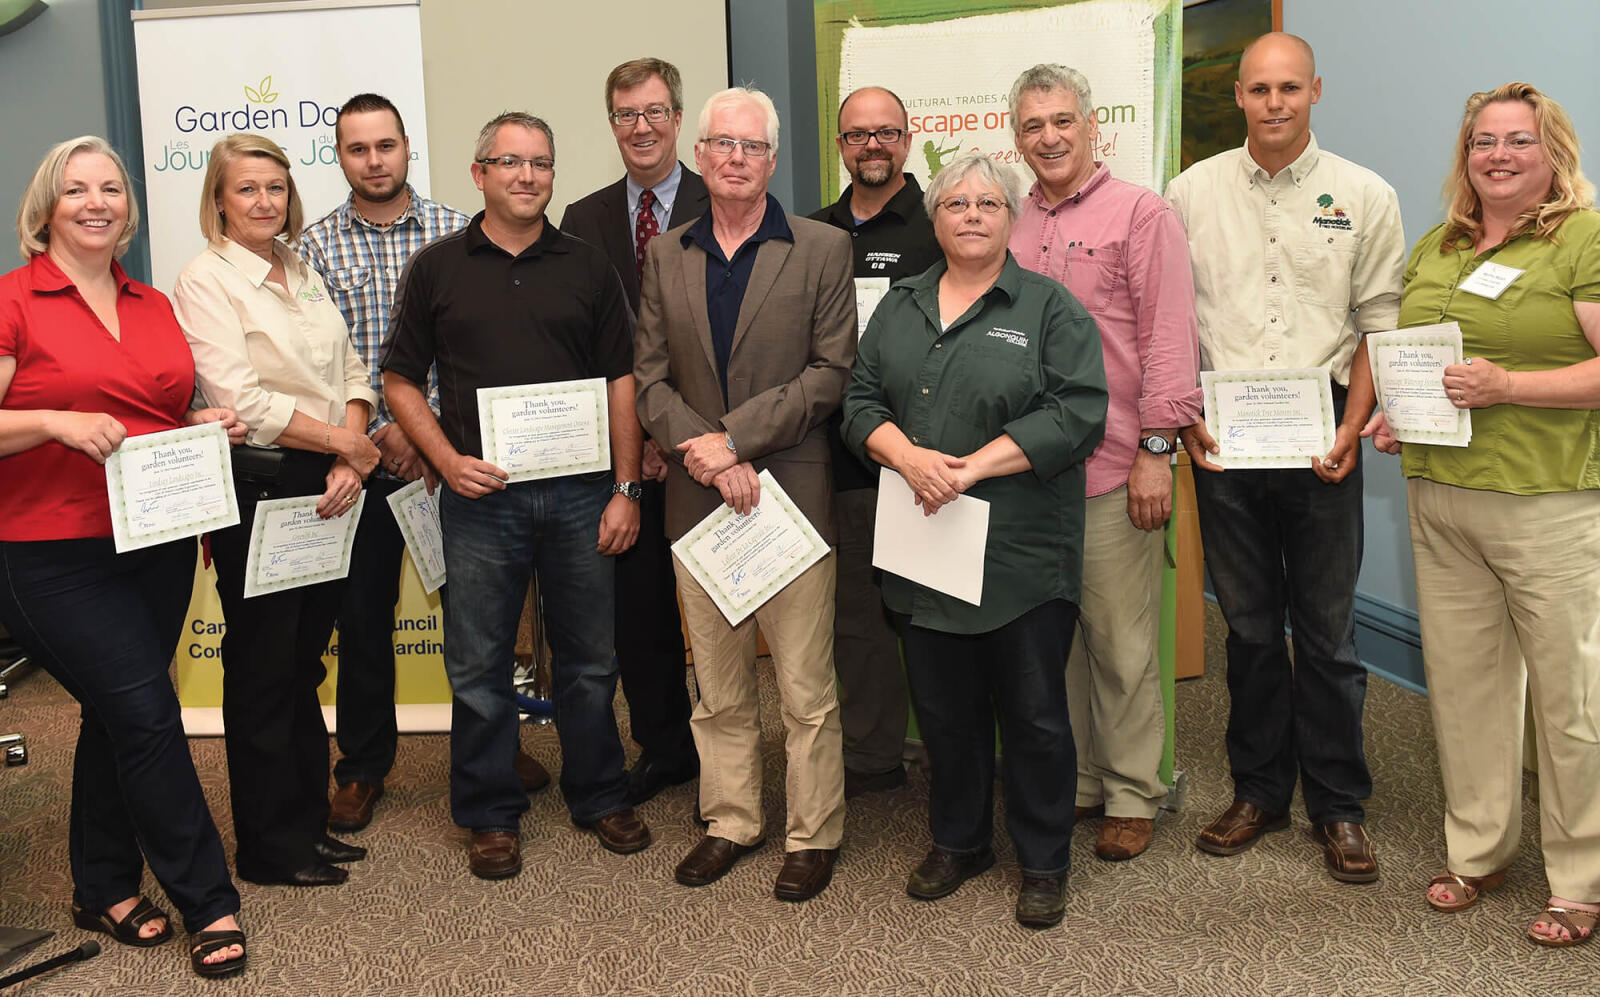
<point x="67" y="360"/>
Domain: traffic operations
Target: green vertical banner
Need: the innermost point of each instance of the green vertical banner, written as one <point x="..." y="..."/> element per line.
<point x="952" y="63"/>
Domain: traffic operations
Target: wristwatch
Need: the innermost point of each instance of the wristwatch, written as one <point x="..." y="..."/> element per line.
<point x="728" y="438"/>
<point x="1157" y="444"/>
<point x="630" y="490"/>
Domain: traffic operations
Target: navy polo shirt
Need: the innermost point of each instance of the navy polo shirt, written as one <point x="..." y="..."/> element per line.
<point x="726" y="280"/>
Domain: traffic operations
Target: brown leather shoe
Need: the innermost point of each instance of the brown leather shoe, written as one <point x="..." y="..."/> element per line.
<point x="622" y="832"/>
<point x="1085" y="813"/>
<point x="495" y="855"/>
<point x="1122" y="838"/>
<point x="711" y="859"/>
<point x="351" y="806"/>
<point x="805" y="874"/>
<point x="533" y="775"/>
<point x="1347" y="851"/>
<point x="1238" y="828"/>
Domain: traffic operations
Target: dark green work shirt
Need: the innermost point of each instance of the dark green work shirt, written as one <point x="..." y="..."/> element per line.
<point x="1025" y="361"/>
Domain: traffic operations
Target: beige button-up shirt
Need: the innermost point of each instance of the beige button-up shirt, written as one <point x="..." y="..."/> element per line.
<point x="262" y="351"/>
<point x="1290" y="270"/>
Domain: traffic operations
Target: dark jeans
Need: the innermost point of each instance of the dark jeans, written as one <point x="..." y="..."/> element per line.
<point x="960" y="683"/>
<point x="367" y="733"/>
<point x="105" y="625"/>
<point x="649" y="638"/>
<point x="1284" y="541"/>
<point x="491" y="547"/>
<point x="271" y="667"/>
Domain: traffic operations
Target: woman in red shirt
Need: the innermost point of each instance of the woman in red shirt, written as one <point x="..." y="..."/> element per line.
<point x="88" y="357"/>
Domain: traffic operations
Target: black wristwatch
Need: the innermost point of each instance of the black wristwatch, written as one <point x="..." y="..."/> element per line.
<point x="1157" y="444"/>
<point x="630" y="490"/>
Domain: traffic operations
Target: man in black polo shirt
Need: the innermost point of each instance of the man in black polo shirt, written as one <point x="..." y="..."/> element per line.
<point x="892" y="238"/>
<point x="510" y="300"/>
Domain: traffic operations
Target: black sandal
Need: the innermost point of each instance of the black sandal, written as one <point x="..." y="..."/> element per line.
<point x="126" y="930"/>
<point x="207" y="942"/>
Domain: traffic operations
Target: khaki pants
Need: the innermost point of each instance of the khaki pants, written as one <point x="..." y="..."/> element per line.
<point x="1114" y="673"/>
<point x="1502" y="580"/>
<point x="798" y="624"/>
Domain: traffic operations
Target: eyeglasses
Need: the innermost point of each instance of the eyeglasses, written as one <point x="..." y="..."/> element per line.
<point x="628" y="117"/>
<point x="753" y="148"/>
<point x="540" y="165"/>
<point x="1515" y="142"/>
<point x="958" y="205"/>
<point x="885" y="136"/>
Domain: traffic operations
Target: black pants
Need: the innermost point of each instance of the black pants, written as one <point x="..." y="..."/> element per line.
<point x="649" y="638"/>
<point x="367" y="733"/>
<point x="271" y="667"/>
<point x="105" y="626"/>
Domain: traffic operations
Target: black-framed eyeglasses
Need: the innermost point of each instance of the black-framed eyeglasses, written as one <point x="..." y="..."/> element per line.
<point x="885" y="136"/>
<point x="628" y="117"/>
<point x="958" y="205"/>
<point x="540" y="164"/>
<point x="753" y="148"/>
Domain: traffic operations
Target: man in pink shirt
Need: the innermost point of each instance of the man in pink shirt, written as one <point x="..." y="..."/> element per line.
<point x="1121" y="251"/>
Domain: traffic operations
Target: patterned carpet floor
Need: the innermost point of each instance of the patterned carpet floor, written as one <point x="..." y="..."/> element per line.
<point x="582" y="921"/>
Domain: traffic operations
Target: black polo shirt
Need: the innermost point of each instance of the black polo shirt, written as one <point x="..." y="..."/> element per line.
<point x="554" y="312"/>
<point x="726" y="280"/>
<point x="896" y="242"/>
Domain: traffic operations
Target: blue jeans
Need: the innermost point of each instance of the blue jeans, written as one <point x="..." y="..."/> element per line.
<point x="367" y="733"/>
<point x="960" y="683"/>
<point x="1285" y="541"/>
<point x="105" y="625"/>
<point x="491" y="547"/>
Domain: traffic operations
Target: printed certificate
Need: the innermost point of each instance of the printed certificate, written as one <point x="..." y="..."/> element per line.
<point x="742" y="561"/>
<point x="1408" y="375"/>
<point x="546" y="430"/>
<point x="417" y="514"/>
<point x="1269" y="418"/>
<point x="291" y="546"/>
<point x="170" y="485"/>
<point x="943" y="551"/>
<point x="869" y="291"/>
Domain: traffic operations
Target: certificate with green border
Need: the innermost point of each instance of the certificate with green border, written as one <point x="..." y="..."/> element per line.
<point x="291" y="546"/>
<point x="1408" y="376"/>
<point x="1269" y="418"/>
<point x="170" y="485"/>
<point x="742" y="561"/>
<point x="546" y="430"/>
<point x="417" y="514"/>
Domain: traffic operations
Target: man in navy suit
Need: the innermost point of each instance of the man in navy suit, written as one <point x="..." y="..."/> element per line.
<point x="644" y="101"/>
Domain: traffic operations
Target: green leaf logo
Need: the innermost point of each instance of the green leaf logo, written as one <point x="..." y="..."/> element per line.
<point x="262" y="94"/>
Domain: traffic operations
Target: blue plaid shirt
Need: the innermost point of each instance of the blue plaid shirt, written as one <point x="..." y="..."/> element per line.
<point x="361" y="263"/>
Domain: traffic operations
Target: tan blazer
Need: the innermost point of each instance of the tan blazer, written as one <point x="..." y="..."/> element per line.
<point x="790" y="363"/>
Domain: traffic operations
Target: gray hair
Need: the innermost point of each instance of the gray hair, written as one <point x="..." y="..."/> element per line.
<point x="44" y="190"/>
<point x="521" y="119"/>
<point x="1051" y="76"/>
<point x="740" y="95"/>
<point x="992" y="172"/>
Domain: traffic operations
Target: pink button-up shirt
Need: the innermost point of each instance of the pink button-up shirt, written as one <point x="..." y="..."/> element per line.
<point x="1122" y="252"/>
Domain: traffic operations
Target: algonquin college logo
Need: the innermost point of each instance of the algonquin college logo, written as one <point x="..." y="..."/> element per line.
<point x="1332" y="215"/>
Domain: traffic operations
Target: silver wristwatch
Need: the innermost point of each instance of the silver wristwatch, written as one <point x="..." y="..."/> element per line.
<point x="630" y="490"/>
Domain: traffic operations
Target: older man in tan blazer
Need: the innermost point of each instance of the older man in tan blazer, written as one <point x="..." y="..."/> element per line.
<point x="745" y="339"/>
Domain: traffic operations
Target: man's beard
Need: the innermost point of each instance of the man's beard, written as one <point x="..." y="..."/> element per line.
<point x="876" y="178"/>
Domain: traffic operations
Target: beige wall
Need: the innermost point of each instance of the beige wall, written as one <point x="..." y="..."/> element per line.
<point x="481" y="57"/>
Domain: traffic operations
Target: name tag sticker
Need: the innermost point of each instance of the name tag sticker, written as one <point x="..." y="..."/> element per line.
<point x="1490" y="280"/>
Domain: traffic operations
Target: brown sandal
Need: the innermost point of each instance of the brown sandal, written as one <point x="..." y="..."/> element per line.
<point x="1469" y="888"/>
<point x="1580" y="925"/>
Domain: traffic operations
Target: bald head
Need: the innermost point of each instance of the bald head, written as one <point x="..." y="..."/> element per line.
<point x="1279" y="43"/>
<point x="879" y="92"/>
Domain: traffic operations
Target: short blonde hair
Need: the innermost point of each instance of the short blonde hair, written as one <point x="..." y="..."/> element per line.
<point x="1570" y="192"/>
<point x="223" y="155"/>
<point x="44" y="191"/>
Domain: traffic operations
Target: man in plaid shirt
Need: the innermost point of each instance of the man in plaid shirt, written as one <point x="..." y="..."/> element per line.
<point x="360" y="248"/>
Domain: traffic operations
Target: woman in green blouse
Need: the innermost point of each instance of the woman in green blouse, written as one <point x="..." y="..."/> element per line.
<point x="1506" y="531"/>
<point x="981" y="378"/>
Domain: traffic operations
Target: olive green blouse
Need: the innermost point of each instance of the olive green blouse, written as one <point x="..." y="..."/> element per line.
<point x="1531" y="326"/>
<point x="1025" y="361"/>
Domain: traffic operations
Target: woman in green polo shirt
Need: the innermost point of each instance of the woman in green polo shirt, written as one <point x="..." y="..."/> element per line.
<point x="981" y="378"/>
<point x="1506" y="531"/>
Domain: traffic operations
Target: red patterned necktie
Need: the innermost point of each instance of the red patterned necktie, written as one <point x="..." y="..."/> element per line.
<point x="644" y="230"/>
